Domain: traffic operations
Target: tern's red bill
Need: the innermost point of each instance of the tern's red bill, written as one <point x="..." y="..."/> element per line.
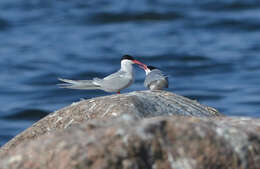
<point x="139" y="63"/>
<point x="143" y="66"/>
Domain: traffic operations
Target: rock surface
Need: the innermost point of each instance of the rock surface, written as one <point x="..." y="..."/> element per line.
<point x="140" y="104"/>
<point x="128" y="142"/>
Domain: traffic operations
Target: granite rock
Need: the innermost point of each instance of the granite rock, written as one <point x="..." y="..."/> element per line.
<point x="140" y="104"/>
<point x="128" y="142"/>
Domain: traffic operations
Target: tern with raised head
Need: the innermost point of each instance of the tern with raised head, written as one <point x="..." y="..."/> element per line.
<point x="155" y="79"/>
<point x="115" y="82"/>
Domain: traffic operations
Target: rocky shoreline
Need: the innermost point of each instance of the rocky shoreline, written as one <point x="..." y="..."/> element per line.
<point x="141" y="129"/>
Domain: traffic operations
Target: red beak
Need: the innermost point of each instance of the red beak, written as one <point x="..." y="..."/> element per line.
<point x="143" y="66"/>
<point x="139" y="63"/>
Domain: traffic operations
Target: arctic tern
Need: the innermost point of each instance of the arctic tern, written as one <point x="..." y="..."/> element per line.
<point x="155" y="79"/>
<point x="115" y="82"/>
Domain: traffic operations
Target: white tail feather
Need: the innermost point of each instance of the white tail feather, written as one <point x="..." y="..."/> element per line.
<point x="78" y="84"/>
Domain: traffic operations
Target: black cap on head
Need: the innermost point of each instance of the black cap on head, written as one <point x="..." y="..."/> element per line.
<point x="151" y="67"/>
<point x="128" y="57"/>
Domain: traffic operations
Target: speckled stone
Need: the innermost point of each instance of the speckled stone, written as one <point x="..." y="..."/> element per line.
<point x="140" y="104"/>
<point x="128" y="142"/>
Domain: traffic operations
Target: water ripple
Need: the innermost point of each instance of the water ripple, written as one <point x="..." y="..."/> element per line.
<point x="4" y="24"/>
<point x="105" y="18"/>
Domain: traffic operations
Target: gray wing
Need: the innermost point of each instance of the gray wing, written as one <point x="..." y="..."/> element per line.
<point x="115" y="75"/>
<point x="74" y="81"/>
<point x="155" y="75"/>
<point x="115" y="82"/>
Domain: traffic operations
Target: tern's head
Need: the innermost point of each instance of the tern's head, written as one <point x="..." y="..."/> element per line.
<point x="148" y="69"/>
<point x="151" y="67"/>
<point x="127" y="59"/>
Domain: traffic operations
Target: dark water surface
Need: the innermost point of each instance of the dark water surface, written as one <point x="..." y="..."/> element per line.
<point x="210" y="49"/>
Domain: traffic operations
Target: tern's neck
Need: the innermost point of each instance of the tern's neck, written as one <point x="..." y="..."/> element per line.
<point x="126" y="66"/>
<point x="147" y="71"/>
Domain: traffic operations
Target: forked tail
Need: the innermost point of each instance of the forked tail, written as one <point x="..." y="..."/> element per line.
<point x="78" y="84"/>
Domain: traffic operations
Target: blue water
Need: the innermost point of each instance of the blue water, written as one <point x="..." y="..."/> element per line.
<point x="210" y="50"/>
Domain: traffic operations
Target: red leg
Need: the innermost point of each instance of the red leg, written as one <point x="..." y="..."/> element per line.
<point x="118" y="92"/>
